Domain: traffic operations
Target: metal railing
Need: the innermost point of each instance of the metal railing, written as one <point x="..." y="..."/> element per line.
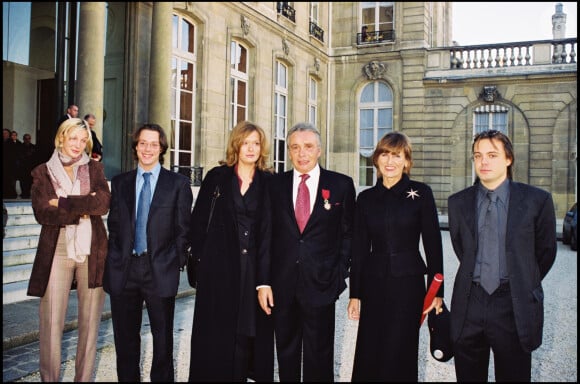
<point x="195" y="174"/>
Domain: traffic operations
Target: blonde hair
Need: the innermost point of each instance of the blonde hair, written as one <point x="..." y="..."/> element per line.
<point x="242" y="130"/>
<point x="70" y="125"/>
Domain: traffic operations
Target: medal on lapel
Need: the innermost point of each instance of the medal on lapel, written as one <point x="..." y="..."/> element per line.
<point x="326" y="196"/>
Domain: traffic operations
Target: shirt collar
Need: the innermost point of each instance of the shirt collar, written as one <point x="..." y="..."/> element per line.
<point x="314" y="173"/>
<point x="154" y="172"/>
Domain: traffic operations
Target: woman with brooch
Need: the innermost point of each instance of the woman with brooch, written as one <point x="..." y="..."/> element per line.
<point x="232" y="339"/>
<point x="387" y="282"/>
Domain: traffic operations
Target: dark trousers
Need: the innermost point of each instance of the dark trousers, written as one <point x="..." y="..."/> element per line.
<point x="126" y="312"/>
<point x="490" y="324"/>
<point x="305" y="335"/>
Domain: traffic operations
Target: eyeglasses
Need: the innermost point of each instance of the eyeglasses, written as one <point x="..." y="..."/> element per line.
<point x="144" y="145"/>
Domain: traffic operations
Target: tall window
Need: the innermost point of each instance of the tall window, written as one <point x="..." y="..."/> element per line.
<point x="281" y="116"/>
<point x="314" y="7"/>
<point x="238" y="82"/>
<point x="183" y="63"/>
<point x="487" y="117"/>
<point x="312" y="100"/>
<point x="377" y="16"/>
<point x="375" y="120"/>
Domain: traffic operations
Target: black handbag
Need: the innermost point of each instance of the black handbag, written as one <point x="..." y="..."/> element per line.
<point x="440" y="344"/>
<point x="192" y="261"/>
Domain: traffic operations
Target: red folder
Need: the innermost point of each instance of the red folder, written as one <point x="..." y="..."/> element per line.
<point x="433" y="288"/>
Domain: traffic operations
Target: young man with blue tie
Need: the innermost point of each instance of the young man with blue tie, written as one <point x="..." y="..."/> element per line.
<point x="149" y="223"/>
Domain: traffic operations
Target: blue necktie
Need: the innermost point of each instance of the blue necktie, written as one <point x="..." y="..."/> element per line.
<point x="142" y="214"/>
<point x="490" y="252"/>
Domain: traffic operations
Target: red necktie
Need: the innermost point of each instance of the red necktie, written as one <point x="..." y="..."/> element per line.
<point x="302" y="203"/>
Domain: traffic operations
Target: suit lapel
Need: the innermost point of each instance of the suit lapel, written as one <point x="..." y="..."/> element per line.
<point x="129" y="195"/>
<point x="468" y="207"/>
<point x="516" y="209"/>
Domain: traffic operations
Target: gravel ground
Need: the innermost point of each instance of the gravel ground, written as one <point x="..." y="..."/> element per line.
<point x="555" y="361"/>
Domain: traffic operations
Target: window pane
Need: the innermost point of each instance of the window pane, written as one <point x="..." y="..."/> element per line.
<point x="186" y="75"/>
<point x="241" y="93"/>
<point x="385" y="93"/>
<point x="186" y="105"/>
<point x="367" y="95"/>
<point x="174" y="22"/>
<point x="243" y="56"/>
<point x="366" y="118"/>
<point x="187" y="37"/>
<point x="184" y="136"/>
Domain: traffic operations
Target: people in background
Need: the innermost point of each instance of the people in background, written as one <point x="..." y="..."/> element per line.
<point x="504" y="235"/>
<point x="28" y="160"/>
<point x="10" y="151"/>
<point x="387" y="277"/>
<point x="230" y="231"/>
<point x="69" y="197"/>
<point x="97" y="152"/>
<point x="72" y="111"/>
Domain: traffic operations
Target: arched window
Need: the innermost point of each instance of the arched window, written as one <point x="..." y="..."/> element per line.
<point x="375" y="120"/>
<point x="487" y="117"/>
<point x="183" y="65"/>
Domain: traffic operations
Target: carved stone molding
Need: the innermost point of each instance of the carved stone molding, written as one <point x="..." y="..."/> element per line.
<point x="285" y="46"/>
<point x="245" y="24"/>
<point x="374" y="70"/>
<point x="317" y="64"/>
<point x="489" y="93"/>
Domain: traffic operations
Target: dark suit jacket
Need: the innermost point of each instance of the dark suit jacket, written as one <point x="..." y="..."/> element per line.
<point x="530" y="251"/>
<point x="311" y="266"/>
<point x="167" y="231"/>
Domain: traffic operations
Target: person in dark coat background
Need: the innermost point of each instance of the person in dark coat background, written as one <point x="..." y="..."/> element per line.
<point x="232" y="339"/>
<point x="387" y="276"/>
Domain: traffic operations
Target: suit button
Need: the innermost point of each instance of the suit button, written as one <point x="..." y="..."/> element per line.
<point x="301" y="240"/>
<point x="244" y="251"/>
<point x="245" y="233"/>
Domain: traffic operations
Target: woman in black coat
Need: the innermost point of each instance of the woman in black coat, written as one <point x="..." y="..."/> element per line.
<point x="387" y="276"/>
<point x="232" y="339"/>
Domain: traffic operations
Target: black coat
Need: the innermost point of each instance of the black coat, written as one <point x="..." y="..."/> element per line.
<point x="388" y="276"/>
<point x="226" y="301"/>
<point x="530" y="253"/>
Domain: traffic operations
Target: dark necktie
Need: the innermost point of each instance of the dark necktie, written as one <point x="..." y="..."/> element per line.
<point x="302" y="203"/>
<point x="490" y="251"/>
<point x="142" y="214"/>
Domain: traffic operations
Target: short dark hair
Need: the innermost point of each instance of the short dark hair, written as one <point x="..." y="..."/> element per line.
<point x="501" y="137"/>
<point x="162" y="139"/>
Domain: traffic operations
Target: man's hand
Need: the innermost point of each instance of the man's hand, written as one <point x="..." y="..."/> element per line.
<point x="266" y="299"/>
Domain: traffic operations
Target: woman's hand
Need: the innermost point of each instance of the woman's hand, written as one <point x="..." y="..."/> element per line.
<point x="437" y="304"/>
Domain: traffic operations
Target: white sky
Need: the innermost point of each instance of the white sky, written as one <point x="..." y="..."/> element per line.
<point x="505" y="22"/>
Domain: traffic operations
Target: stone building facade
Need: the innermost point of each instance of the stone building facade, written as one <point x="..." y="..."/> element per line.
<point x="357" y="70"/>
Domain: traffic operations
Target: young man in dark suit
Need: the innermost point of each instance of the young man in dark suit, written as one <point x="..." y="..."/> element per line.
<point x="146" y="270"/>
<point x="504" y="235"/>
<point x="312" y="219"/>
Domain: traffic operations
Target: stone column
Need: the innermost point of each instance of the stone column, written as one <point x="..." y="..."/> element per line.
<point x="91" y="62"/>
<point x="160" y="66"/>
